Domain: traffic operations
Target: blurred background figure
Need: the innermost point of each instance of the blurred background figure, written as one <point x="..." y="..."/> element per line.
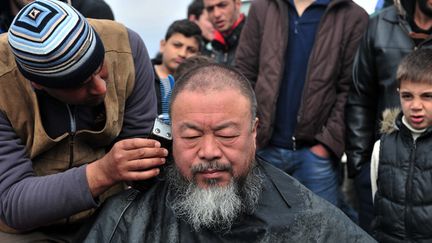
<point x="228" y="21"/>
<point x="288" y="52"/>
<point x="141" y="15"/>
<point x="97" y="9"/>
<point x="197" y="14"/>
<point x="182" y="40"/>
<point x="383" y="4"/>
<point x="392" y="33"/>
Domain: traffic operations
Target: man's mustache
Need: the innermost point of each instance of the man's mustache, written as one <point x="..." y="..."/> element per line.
<point x="211" y="165"/>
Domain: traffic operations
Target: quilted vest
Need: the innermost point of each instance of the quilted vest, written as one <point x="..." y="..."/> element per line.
<point x="403" y="202"/>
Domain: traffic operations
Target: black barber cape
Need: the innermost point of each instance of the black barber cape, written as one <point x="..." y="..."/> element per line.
<point x="286" y="212"/>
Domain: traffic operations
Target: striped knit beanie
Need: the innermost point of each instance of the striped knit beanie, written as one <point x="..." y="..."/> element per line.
<point x="54" y="45"/>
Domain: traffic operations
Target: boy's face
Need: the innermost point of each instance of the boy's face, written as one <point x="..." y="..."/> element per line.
<point x="176" y="49"/>
<point x="416" y="102"/>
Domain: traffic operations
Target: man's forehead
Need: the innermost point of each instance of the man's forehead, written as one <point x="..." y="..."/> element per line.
<point x="194" y="125"/>
<point x="210" y="3"/>
<point x="215" y="95"/>
<point x="185" y="40"/>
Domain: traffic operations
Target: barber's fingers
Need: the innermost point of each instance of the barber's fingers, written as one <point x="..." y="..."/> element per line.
<point x="142" y="153"/>
<point x="144" y="164"/>
<point x="143" y="175"/>
<point x="136" y="143"/>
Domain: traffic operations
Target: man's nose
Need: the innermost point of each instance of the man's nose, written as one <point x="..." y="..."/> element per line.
<point x="209" y="148"/>
<point x="182" y="52"/>
<point x="217" y="12"/>
<point x="98" y="86"/>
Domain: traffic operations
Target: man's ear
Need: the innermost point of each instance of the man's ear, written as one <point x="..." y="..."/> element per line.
<point x="162" y="46"/>
<point x="255" y="126"/>
<point x="254" y="131"/>
<point x="192" y="18"/>
<point x="238" y="4"/>
<point x="37" y="86"/>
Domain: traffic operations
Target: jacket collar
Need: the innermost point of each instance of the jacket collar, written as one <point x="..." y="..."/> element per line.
<point x="229" y="39"/>
<point x="220" y="37"/>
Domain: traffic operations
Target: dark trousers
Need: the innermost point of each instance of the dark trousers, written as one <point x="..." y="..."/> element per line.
<point x="363" y="189"/>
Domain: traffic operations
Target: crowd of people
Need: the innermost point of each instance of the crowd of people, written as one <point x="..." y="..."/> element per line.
<point x="259" y="108"/>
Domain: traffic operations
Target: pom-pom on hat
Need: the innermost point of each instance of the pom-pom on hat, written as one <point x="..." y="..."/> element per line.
<point x="54" y="45"/>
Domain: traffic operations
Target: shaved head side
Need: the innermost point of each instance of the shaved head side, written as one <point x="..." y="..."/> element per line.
<point x="215" y="77"/>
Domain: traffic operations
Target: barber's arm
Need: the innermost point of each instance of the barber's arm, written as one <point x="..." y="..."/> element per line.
<point x="28" y="201"/>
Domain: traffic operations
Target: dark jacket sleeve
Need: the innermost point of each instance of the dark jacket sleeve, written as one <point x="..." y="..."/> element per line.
<point x="361" y="106"/>
<point x="333" y="134"/>
<point x="247" y="53"/>
<point x="28" y="201"/>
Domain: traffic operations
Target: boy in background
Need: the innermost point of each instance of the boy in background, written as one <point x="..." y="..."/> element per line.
<point x="401" y="164"/>
<point x="182" y="41"/>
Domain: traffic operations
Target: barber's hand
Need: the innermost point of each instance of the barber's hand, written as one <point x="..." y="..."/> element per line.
<point x="128" y="160"/>
<point x="320" y="151"/>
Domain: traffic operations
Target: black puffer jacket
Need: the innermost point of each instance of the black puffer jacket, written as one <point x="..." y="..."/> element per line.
<point x="403" y="202"/>
<point x="385" y="43"/>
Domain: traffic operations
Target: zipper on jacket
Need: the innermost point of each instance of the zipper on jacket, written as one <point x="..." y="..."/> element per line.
<point x="71" y="134"/>
<point x="293" y="143"/>
<point x="408" y="188"/>
<point x="71" y="140"/>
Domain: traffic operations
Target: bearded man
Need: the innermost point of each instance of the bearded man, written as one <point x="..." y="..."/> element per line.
<point x="216" y="190"/>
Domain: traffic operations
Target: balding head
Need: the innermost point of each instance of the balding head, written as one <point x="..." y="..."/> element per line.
<point x="215" y="77"/>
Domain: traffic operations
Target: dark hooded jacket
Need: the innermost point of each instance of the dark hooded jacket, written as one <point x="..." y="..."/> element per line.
<point x="385" y="43"/>
<point x="286" y="212"/>
<point x="403" y="202"/>
<point x="224" y="46"/>
<point x="261" y="58"/>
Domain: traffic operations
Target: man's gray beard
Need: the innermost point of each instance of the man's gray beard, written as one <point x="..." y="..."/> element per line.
<point x="214" y="207"/>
